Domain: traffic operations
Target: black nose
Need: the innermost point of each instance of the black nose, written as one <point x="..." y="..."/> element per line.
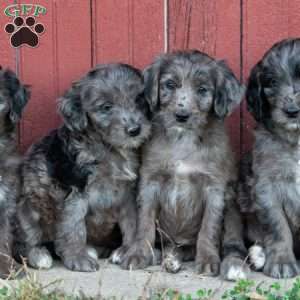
<point x="292" y="112"/>
<point x="134" y="130"/>
<point x="182" y="117"/>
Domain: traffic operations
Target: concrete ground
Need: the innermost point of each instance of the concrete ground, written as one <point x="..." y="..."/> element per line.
<point x="112" y="281"/>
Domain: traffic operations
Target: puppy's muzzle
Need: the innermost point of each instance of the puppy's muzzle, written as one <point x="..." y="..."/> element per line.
<point x="182" y="116"/>
<point x="292" y="111"/>
<point x="134" y="130"/>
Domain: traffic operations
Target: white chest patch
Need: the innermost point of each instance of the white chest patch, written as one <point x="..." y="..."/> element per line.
<point x="186" y="168"/>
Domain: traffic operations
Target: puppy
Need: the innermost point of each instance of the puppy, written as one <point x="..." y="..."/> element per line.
<point x="79" y="181"/>
<point x="13" y="98"/>
<point x="270" y="184"/>
<point x="187" y="166"/>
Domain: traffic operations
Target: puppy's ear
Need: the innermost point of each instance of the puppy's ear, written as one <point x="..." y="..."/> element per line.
<point x="256" y="103"/>
<point x="70" y="107"/>
<point x="151" y="80"/>
<point x="229" y="92"/>
<point x="18" y="93"/>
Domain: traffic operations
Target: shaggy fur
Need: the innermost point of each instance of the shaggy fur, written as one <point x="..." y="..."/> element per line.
<point x="79" y="181"/>
<point x="13" y="98"/>
<point x="270" y="185"/>
<point x="187" y="167"/>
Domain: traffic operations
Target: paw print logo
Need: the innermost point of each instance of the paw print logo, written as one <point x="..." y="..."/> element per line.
<point x="24" y="33"/>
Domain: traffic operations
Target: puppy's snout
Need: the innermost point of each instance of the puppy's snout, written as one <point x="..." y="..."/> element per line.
<point x="292" y="111"/>
<point x="182" y="116"/>
<point x="134" y="129"/>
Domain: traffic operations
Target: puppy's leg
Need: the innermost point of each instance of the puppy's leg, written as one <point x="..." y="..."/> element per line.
<point x="233" y="266"/>
<point x="127" y="223"/>
<point x="31" y="235"/>
<point x="142" y="253"/>
<point x="208" y="243"/>
<point x="71" y="238"/>
<point x="278" y="242"/>
<point x="6" y="262"/>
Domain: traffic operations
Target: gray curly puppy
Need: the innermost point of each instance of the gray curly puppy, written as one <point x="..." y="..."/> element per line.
<point x="13" y="98"/>
<point x="270" y="176"/>
<point x="188" y="169"/>
<point x="79" y="181"/>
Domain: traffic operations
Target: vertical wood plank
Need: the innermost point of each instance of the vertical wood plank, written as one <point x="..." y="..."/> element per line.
<point x="211" y="26"/>
<point x="129" y="31"/>
<point x="264" y="23"/>
<point x="7" y="53"/>
<point x="148" y="31"/>
<point x="63" y="54"/>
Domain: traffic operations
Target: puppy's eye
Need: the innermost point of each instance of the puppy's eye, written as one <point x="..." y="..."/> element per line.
<point x="202" y="90"/>
<point x="171" y="85"/>
<point x="269" y="82"/>
<point x="106" y="107"/>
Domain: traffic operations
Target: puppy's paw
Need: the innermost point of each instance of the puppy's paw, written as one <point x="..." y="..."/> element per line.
<point x="135" y="262"/>
<point x="234" y="268"/>
<point x="208" y="265"/>
<point x="91" y="252"/>
<point x="279" y="269"/>
<point x="171" y="263"/>
<point x="81" y="263"/>
<point x="257" y="257"/>
<point x="118" y="255"/>
<point x="40" y="258"/>
<point x="140" y="257"/>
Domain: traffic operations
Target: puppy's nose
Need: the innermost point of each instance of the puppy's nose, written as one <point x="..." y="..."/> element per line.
<point x="182" y="116"/>
<point x="134" y="130"/>
<point x="292" y="111"/>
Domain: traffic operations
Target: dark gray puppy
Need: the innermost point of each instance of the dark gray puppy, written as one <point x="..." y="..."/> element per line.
<point x="13" y="98"/>
<point x="187" y="166"/>
<point x="270" y="182"/>
<point x="79" y="181"/>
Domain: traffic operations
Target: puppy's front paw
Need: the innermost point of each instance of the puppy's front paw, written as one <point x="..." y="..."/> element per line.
<point x="234" y="268"/>
<point x="118" y="255"/>
<point x="172" y="263"/>
<point x="135" y="262"/>
<point x="257" y="257"/>
<point x="40" y="258"/>
<point x="279" y="266"/>
<point x="139" y="257"/>
<point x="81" y="263"/>
<point x="208" y="265"/>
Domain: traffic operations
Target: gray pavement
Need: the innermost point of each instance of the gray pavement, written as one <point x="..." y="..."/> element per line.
<point x="112" y="281"/>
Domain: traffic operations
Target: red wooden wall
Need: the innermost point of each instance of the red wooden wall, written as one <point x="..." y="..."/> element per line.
<point x="82" y="33"/>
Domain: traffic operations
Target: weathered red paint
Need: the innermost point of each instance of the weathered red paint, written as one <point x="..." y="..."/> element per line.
<point x="7" y="53"/>
<point x="127" y="31"/>
<point x="63" y="55"/>
<point x="80" y="34"/>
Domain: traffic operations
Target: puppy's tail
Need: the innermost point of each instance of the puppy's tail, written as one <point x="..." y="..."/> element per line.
<point x="257" y="257"/>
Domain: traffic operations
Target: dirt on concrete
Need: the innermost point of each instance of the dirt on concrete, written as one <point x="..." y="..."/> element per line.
<point x="111" y="281"/>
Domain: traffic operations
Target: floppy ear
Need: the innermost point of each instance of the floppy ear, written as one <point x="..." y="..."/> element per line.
<point x="256" y="103"/>
<point x="18" y="93"/>
<point x="229" y="91"/>
<point x="70" y="107"/>
<point x="151" y="80"/>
